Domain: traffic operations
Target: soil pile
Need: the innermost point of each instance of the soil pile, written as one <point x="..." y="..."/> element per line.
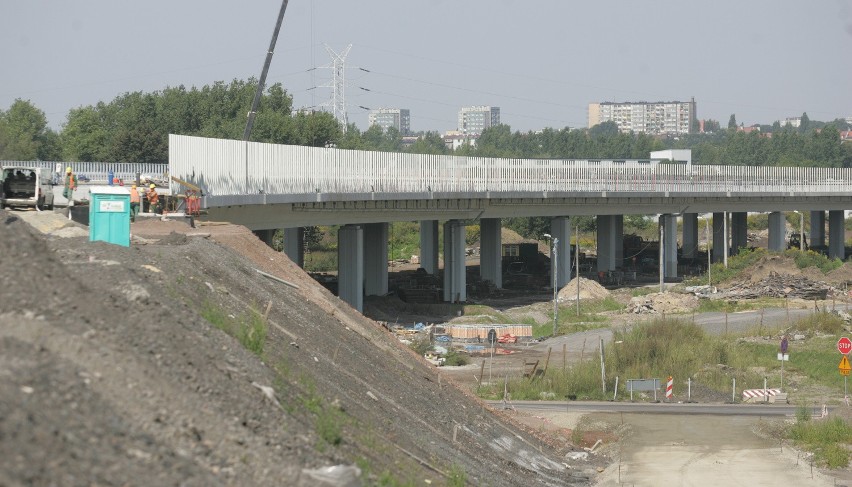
<point x="117" y="370"/>
<point x="589" y="289"/>
<point x="663" y="303"/>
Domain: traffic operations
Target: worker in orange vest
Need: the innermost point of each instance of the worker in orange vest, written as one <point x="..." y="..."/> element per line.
<point x="135" y="199"/>
<point x="154" y="199"/>
<point x="70" y="185"/>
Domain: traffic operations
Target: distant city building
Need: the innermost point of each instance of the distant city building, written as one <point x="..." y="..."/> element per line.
<point x="657" y="118"/>
<point x="794" y="122"/>
<point x="474" y="120"/>
<point x="398" y="118"/>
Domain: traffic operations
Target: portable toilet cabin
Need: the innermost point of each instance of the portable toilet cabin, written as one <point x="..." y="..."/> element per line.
<point x="109" y="214"/>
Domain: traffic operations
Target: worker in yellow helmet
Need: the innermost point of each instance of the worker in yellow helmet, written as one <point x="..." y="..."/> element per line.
<point x="70" y="185"/>
<point x="154" y="199"/>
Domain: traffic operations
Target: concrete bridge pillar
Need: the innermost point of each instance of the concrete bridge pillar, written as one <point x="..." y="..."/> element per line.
<point x="739" y="231"/>
<point x="265" y="236"/>
<point x="720" y="239"/>
<point x="454" y="262"/>
<point x="560" y="228"/>
<point x="669" y="245"/>
<point x="294" y="245"/>
<point x="690" y="235"/>
<point x="607" y="242"/>
<point x="350" y="265"/>
<point x="618" y="241"/>
<point x="429" y="245"/>
<point x="376" y="259"/>
<point x="836" y="235"/>
<point x="777" y="231"/>
<point x="491" y="251"/>
<point x="817" y="229"/>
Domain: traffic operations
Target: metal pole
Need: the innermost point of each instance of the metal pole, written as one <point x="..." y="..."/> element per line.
<point x="660" y="225"/>
<point x="577" y="263"/>
<point x="555" y="285"/>
<point x="725" y="239"/>
<point x="689" y="389"/>
<point x="734" y="390"/>
<point x="603" y="369"/>
<point x="782" y="371"/>
<point x="615" y="391"/>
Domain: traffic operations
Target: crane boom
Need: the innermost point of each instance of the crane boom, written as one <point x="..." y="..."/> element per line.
<point x="262" y="81"/>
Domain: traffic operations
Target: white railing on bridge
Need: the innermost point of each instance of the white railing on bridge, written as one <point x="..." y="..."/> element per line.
<point x="227" y="168"/>
<point x="98" y="172"/>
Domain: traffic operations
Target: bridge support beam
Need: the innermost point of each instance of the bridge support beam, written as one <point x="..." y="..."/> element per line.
<point x="294" y="245"/>
<point x="739" y="231"/>
<point x="690" y="235"/>
<point x="376" y="259"/>
<point x="836" y="235"/>
<point x="265" y="236"/>
<point x="777" y="231"/>
<point x="618" y="241"/>
<point x="720" y="237"/>
<point x="560" y="228"/>
<point x="454" y="262"/>
<point x="429" y="246"/>
<point x="350" y="265"/>
<point x="491" y="251"/>
<point x="669" y="245"/>
<point x="817" y="229"/>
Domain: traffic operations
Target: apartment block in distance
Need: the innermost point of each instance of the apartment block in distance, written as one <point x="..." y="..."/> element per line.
<point x="398" y="118"/>
<point x="474" y="120"/>
<point x="657" y="118"/>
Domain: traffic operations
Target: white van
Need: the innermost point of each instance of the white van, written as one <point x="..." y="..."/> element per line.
<point x="25" y="186"/>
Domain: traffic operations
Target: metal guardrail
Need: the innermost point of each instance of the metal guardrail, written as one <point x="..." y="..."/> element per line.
<point x="98" y="172"/>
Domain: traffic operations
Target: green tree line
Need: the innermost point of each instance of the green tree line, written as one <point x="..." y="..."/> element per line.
<point x="134" y="127"/>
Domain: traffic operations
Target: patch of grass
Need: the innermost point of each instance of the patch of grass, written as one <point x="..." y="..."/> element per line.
<point x="328" y="419"/>
<point x="731" y="306"/>
<point x="826" y="438"/>
<point x="813" y="259"/>
<point x="736" y="265"/>
<point x="321" y="261"/>
<point x="249" y="329"/>
<point x="456" y="477"/>
<point x="568" y="321"/>
<point x="455" y="358"/>
<point x="822" y="322"/>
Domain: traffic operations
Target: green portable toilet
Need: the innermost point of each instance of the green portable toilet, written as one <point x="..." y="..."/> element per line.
<point x="109" y="214"/>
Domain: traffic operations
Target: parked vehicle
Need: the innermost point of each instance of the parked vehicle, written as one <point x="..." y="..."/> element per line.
<point x="25" y="186"/>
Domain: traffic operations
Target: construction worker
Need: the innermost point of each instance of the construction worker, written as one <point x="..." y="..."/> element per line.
<point x="70" y="185"/>
<point x="153" y="199"/>
<point x="135" y="199"/>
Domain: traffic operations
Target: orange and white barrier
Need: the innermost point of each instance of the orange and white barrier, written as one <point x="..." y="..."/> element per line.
<point x="669" y="388"/>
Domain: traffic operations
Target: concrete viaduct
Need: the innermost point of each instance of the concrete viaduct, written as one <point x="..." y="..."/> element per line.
<point x="268" y="186"/>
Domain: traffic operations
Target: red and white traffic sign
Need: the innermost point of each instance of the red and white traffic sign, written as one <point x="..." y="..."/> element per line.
<point x="844" y="345"/>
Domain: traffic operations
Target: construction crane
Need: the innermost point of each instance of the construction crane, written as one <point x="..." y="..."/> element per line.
<point x="262" y="81"/>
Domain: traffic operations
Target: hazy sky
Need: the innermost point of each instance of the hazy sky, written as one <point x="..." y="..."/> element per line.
<point x="541" y="61"/>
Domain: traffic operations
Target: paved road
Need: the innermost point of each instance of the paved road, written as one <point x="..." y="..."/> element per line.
<point x="655" y="408"/>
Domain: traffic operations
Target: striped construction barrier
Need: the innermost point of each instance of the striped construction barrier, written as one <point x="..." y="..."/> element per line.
<point x="754" y="395"/>
<point x="669" y="388"/>
<point x="480" y="332"/>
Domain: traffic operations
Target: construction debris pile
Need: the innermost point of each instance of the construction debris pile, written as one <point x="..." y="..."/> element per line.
<point x="589" y="289"/>
<point x="663" y="303"/>
<point x="777" y="285"/>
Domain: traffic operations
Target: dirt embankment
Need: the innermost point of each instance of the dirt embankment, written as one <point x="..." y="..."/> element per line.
<point x="111" y="376"/>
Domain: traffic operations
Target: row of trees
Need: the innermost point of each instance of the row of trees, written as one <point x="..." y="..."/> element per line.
<point x="134" y="127"/>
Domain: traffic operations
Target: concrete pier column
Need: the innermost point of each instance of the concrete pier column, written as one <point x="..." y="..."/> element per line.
<point x="739" y="231"/>
<point x="294" y="245"/>
<point x="618" y="241"/>
<point x="777" y="231"/>
<point x="817" y="229"/>
<point x="454" y="262"/>
<point x="720" y="240"/>
<point x="376" y="259"/>
<point x="560" y="228"/>
<point x="265" y="236"/>
<point x="350" y="265"/>
<point x="491" y="251"/>
<point x="606" y="242"/>
<point x="669" y="246"/>
<point x="429" y="245"/>
<point x="690" y="235"/>
<point x="836" y="235"/>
